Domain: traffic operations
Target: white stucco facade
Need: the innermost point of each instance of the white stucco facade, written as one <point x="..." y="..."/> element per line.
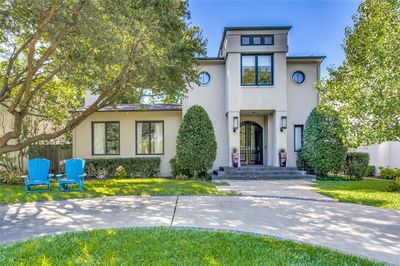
<point x="259" y="109"/>
<point x="386" y="154"/>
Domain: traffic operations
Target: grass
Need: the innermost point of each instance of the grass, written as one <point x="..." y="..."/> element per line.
<point x="167" y="246"/>
<point x="114" y="187"/>
<point x="366" y="192"/>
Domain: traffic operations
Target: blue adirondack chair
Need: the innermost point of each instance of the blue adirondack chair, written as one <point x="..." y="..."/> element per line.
<point x="38" y="174"/>
<point x="74" y="174"/>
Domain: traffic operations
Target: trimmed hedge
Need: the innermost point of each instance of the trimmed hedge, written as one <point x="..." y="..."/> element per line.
<point x="134" y="167"/>
<point x="356" y="164"/>
<point x="389" y="173"/>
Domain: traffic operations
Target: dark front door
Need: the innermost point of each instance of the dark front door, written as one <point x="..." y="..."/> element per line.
<point x="250" y="143"/>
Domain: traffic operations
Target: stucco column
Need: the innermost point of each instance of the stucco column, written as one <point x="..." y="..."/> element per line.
<point x="233" y="137"/>
<point x="279" y="137"/>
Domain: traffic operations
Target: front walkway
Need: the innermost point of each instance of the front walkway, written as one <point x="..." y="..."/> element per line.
<point x="360" y="230"/>
<point x="291" y="189"/>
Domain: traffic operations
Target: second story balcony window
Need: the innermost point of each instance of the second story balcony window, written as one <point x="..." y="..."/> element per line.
<point x="257" y="70"/>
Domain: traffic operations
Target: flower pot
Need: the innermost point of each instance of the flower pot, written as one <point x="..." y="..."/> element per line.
<point x="282" y="159"/>
<point x="235" y="159"/>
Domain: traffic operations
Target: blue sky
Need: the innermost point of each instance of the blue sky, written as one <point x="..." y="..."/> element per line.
<point x="317" y="26"/>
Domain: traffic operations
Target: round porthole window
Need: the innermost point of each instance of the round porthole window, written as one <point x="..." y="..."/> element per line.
<point x="204" y="78"/>
<point x="298" y="77"/>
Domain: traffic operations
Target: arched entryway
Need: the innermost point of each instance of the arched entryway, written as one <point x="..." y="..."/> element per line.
<point x="251" y="143"/>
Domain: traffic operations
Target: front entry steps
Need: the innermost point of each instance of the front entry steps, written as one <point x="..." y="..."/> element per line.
<point x="260" y="172"/>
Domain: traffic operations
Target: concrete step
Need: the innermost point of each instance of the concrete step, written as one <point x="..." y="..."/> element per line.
<point x="260" y="172"/>
<point x="257" y="168"/>
<point x="260" y="177"/>
<point x="271" y="173"/>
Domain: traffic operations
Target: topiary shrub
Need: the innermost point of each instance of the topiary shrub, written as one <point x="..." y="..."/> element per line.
<point x="196" y="147"/>
<point x="323" y="147"/>
<point x="120" y="167"/>
<point x="356" y="165"/>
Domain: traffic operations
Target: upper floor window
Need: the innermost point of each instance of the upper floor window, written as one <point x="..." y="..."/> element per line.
<point x="298" y="77"/>
<point x="105" y="138"/>
<point x="257" y="40"/>
<point x="257" y="70"/>
<point x="204" y="78"/>
<point x="149" y="137"/>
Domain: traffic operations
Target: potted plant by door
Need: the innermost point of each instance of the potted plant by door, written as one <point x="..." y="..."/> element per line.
<point x="282" y="158"/>
<point x="235" y="157"/>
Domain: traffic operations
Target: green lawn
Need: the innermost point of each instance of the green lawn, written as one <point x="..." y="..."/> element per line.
<point x="166" y="246"/>
<point x="114" y="187"/>
<point x="367" y="192"/>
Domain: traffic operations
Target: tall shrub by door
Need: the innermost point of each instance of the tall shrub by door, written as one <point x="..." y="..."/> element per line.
<point x="323" y="147"/>
<point x="196" y="148"/>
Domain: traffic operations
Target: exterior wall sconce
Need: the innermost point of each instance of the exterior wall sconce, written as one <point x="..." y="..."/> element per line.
<point x="283" y="123"/>
<point x="235" y="123"/>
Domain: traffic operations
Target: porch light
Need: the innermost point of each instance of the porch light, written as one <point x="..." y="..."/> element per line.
<point x="235" y="123"/>
<point x="283" y="123"/>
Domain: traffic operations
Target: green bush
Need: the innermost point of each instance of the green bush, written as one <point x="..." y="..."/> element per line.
<point x="323" y="147"/>
<point x="371" y="170"/>
<point x="133" y="167"/>
<point x="196" y="147"/>
<point x="10" y="178"/>
<point x="176" y="170"/>
<point x="394" y="185"/>
<point x="356" y="165"/>
<point x="301" y="163"/>
<point x="389" y="173"/>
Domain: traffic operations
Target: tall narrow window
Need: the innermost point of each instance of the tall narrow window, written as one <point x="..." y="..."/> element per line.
<point x="257" y="70"/>
<point x="150" y="137"/>
<point x="264" y="70"/>
<point x="105" y="138"/>
<point x="248" y="69"/>
<point x="298" y="137"/>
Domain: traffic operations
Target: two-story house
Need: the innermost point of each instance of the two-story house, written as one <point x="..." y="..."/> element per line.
<point x="257" y="97"/>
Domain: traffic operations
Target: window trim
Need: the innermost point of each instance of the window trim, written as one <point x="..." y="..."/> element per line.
<point x="136" y="137"/>
<point x="256" y="72"/>
<point x="105" y="137"/>
<point x="294" y="137"/>
<point x="251" y="39"/>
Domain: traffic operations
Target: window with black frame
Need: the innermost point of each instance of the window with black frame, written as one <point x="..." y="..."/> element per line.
<point x="105" y="138"/>
<point x="257" y="70"/>
<point x="149" y="137"/>
<point x="246" y="40"/>
<point x="298" y="137"/>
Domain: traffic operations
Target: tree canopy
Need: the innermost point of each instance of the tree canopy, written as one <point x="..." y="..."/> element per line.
<point x="52" y="52"/>
<point x="365" y="89"/>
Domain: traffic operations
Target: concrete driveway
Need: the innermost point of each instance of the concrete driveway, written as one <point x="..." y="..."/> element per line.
<point x="360" y="230"/>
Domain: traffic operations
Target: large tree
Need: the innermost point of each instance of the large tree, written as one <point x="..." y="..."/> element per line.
<point x="365" y="89"/>
<point x="51" y="52"/>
